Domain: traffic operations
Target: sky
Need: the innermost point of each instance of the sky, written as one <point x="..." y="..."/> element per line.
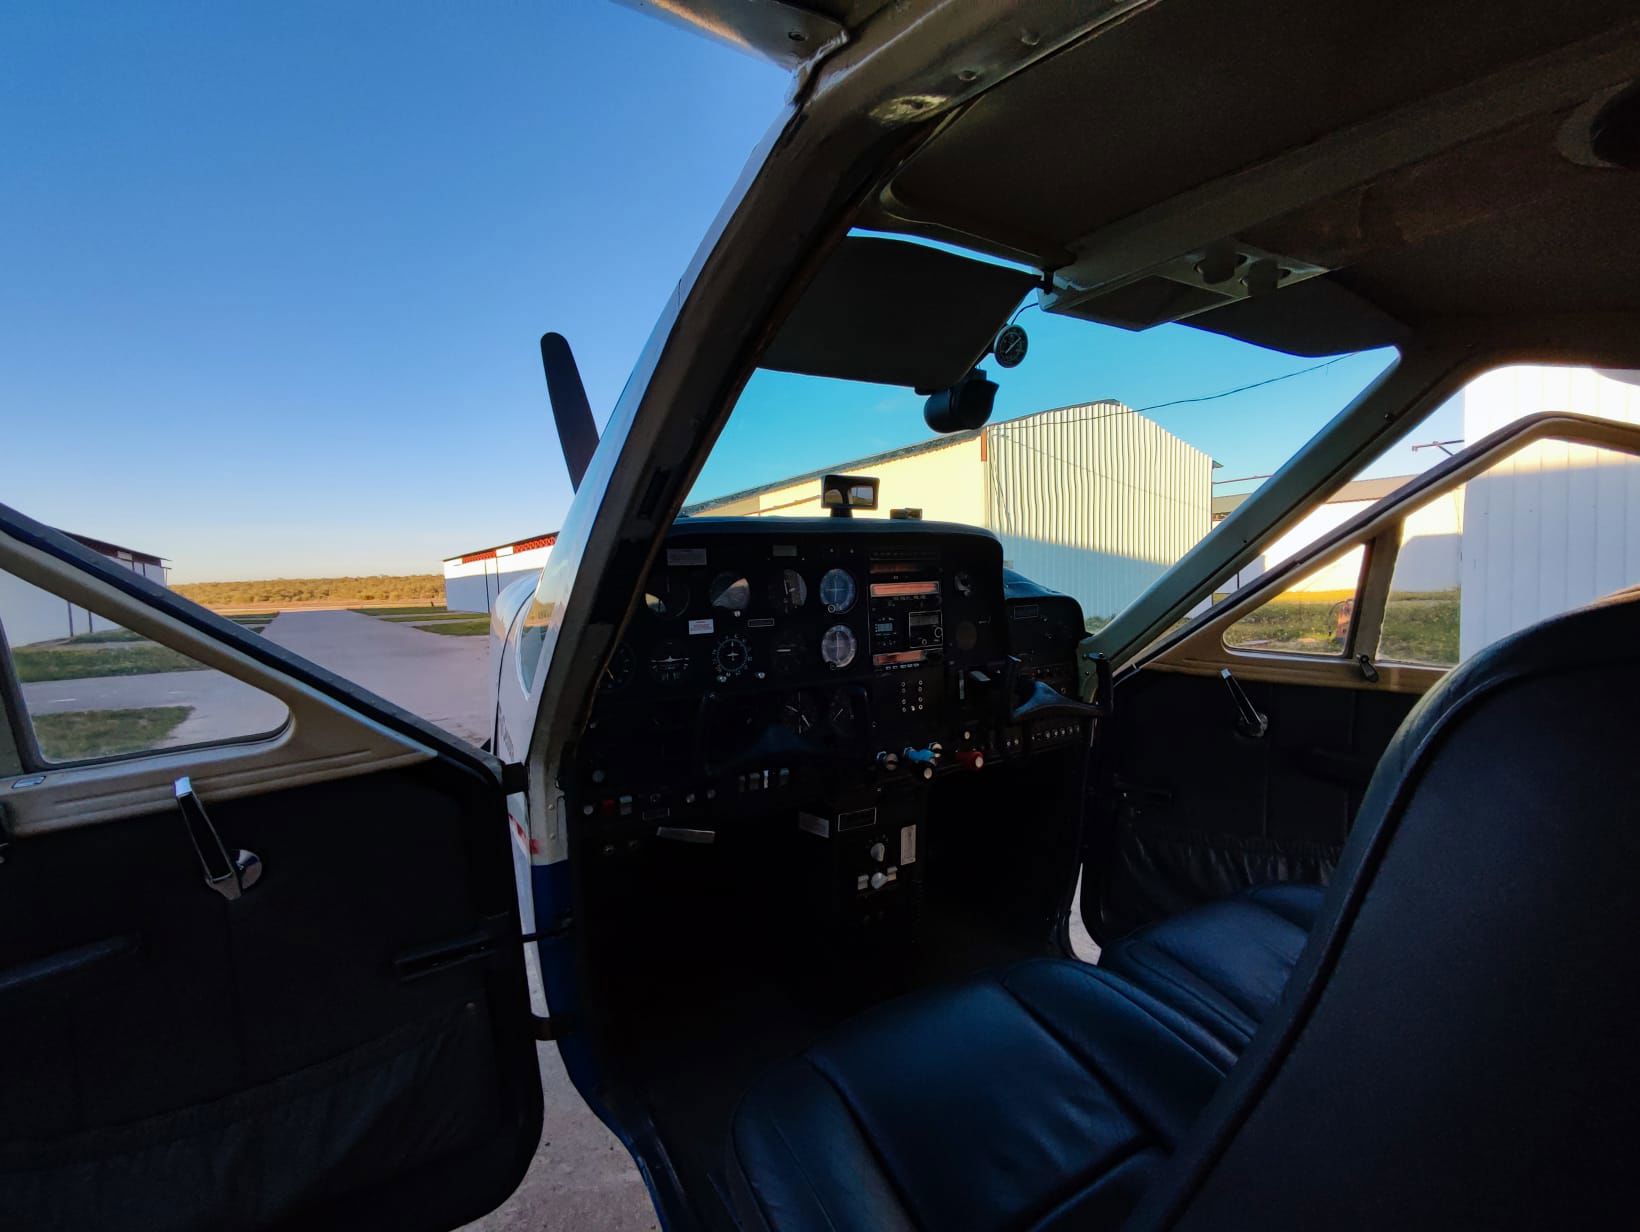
<point x="274" y="277"/>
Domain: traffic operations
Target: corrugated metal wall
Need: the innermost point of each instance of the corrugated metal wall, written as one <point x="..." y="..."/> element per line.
<point x="1095" y="500"/>
<point x="1555" y="525"/>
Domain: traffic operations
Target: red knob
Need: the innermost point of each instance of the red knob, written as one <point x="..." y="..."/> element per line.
<point x="972" y="759"/>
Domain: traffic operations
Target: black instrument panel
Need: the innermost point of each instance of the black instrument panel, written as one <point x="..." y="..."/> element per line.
<point x="738" y="606"/>
<point x="777" y="660"/>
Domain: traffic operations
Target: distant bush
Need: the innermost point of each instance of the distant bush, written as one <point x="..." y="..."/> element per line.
<point x="421" y="587"/>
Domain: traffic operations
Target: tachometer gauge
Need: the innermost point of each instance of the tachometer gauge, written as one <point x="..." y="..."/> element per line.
<point x="618" y="671"/>
<point x="837" y="646"/>
<point x="669" y="662"/>
<point x="802" y="713"/>
<point x="837" y="591"/>
<point x="729" y="591"/>
<point x="731" y="656"/>
<point x="666" y="596"/>
<point x="843" y="712"/>
<point x="788" y="591"/>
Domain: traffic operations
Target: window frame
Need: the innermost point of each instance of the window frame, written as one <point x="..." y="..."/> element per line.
<point x="1347" y="650"/>
<point x="1199" y="647"/>
<point x="25" y="742"/>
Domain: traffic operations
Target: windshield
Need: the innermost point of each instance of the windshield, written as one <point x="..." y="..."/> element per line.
<point x="1108" y="456"/>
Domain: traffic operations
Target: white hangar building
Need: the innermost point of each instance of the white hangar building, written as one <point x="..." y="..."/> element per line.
<point x="30" y="614"/>
<point x="473" y="579"/>
<point x="1093" y="500"/>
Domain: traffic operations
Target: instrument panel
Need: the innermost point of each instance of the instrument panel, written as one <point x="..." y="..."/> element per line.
<point x="793" y="660"/>
<point x="814" y="678"/>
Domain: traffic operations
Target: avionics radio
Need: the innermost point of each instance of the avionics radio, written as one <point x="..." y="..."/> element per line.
<point x="907" y="625"/>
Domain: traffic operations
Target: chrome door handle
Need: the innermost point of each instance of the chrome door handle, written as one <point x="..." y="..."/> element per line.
<point x="228" y="877"/>
<point x="1249" y="721"/>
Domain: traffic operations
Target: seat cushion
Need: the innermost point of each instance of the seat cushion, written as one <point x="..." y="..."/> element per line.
<point x="1223" y="965"/>
<point x="1045" y="1091"/>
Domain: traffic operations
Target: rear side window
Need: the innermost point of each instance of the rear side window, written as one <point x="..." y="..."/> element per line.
<point x="83" y="688"/>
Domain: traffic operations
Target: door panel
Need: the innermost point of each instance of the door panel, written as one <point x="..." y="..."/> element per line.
<point x="348" y="1043"/>
<point x="1189" y="806"/>
<point x="244" y="1063"/>
<point x="1194" y="809"/>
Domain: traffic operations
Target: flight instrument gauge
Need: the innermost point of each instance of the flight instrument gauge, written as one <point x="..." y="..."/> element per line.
<point x="730" y="592"/>
<point x="731" y="656"/>
<point x="618" y="671"/>
<point x="837" y="646"/>
<point x="788" y="591"/>
<point x="665" y="596"/>
<point x="669" y="662"/>
<point x="790" y="653"/>
<point x="837" y="591"/>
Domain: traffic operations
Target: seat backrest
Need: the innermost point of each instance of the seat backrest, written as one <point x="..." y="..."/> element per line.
<point x="1460" y="1045"/>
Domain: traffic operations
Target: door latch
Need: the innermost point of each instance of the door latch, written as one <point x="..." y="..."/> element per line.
<point x="228" y="877"/>
<point x="1249" y="721"/>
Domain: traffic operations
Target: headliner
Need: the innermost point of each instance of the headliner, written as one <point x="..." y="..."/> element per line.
<point x="1411" y="149"/>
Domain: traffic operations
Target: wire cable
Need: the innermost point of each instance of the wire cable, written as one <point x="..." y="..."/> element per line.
<point x="1158" y="406"/>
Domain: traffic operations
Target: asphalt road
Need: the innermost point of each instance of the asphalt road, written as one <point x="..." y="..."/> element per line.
<point x="444" y="679"/>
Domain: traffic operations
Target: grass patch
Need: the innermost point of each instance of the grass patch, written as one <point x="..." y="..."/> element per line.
<point x="66" y="661"/>
<point x="1302" y="626"/>
<point x="1421" y="627"/>
<point x="400" y="611"/>
<point x="105" y="635"/>
<point x="252" y="618"/>
<point x="76" y="735"/>
<point x="436" y="616"/>
<point x="456" y="628"/>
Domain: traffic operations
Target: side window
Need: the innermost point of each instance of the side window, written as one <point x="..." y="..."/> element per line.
<point x="87" y="689"/>
<point x="532" y="635"/>
<point x="1310" y="617"/>
<point x="1546" y="529"/>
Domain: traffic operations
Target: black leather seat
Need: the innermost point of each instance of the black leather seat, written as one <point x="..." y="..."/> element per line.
<point x="1048" y="1090"/>
<point x="1454" y="1048"/>
<point x="1222" y="965"/>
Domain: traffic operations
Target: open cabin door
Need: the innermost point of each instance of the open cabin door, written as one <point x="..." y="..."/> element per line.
<point x="255" y="977"/>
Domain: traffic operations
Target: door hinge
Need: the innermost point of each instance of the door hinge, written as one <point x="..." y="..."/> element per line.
<point x="515" y="778"/>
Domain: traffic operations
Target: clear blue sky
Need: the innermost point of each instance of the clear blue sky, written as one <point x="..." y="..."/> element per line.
<point x="274" y="275"/>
